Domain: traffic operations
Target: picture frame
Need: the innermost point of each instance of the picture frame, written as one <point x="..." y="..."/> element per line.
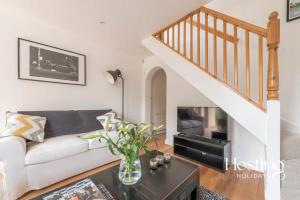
<point x="45" y="63"/>
<point x="293" y="10"/>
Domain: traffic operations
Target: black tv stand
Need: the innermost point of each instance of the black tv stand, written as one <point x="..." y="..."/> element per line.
<point x="209" y="152"/>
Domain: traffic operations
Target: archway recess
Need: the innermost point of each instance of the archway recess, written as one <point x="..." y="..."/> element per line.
<point x="149" y="93"/>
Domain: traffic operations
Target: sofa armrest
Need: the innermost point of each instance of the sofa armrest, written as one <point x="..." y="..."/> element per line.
<point x="12" y="157"/>
<point x="12" y="149"/>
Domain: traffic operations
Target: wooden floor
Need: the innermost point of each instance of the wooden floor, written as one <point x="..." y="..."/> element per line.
<point x="235" y="185"/>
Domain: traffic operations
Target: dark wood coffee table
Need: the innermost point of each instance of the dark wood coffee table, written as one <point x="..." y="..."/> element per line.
<point x="175" y="181"/>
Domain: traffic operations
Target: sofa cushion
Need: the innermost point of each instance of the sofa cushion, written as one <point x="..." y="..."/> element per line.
<point x="69" y="122"/>
<point x="55" y="148"/>
<point x="88" y="119"/>
<point x="26" y="126"/>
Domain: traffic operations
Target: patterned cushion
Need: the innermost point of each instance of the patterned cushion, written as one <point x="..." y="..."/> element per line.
<point x="26" y="126"/>
<point x="109" y="118"/>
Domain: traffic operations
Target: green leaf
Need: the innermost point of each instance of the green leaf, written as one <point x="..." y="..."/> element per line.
<point x="111" y="149"/>
<point x="134" y="153"/>
<point x="145" y="128"/>
<point x="158" y="128"/>
<point x="132" y="138"/>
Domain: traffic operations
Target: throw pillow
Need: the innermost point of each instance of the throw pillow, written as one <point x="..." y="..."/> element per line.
<point x="109" y="118"/>
<point x="26" y="126"/>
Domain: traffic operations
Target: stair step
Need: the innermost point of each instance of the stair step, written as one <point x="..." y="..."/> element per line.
<point x="290" y="194"/>
<point x="292" y="174"/>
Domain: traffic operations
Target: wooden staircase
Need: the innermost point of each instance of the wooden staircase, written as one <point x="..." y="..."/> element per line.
<point x="175" y="36"/>
<point x="235" y="64"/>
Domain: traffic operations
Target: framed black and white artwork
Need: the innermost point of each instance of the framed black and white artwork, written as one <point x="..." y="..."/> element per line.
<point x="40" y="62"/>
<point x="293" y="10"/>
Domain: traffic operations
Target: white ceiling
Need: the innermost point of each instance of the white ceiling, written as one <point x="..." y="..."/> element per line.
<point x="128" y="22"/>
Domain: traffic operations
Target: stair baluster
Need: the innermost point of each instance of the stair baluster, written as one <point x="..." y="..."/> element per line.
<point x="210" y="24"/>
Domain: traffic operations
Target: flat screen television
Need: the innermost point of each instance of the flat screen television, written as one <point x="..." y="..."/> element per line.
<point x="208" y="122"/>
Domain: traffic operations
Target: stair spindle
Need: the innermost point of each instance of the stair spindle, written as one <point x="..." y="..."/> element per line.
<point x="225" y="52"/>
<point x="215" y="49"/>
<point x="247" y="64"/>
<point x="178" y="41"/>
<point x="184" y="38"/>
<point x="173" y="39"/>
<point x="168" y="39"/>
<point x="206" y="42"/>
<point x="198" y="40"/>
<point x="236" y="70"/>
<point x="260" y="70"/>
<point x="191" y="39"/>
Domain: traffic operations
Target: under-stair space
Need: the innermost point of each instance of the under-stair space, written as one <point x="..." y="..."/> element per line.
<point x="235" y="65"/>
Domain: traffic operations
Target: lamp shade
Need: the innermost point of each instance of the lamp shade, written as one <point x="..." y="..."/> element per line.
<point x="112" y="76"/>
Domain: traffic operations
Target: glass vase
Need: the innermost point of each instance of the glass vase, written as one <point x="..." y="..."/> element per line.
<point x="130" y="173"/>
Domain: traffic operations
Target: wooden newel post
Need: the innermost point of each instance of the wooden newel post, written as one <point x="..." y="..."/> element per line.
<point x="273" y="39"/>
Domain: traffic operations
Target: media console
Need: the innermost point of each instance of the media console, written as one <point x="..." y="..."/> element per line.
<point x="212" y="153"/>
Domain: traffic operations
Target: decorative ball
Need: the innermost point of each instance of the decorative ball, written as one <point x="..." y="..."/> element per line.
<point x="160" y="160"/>
<point x="153" y="163"/>
<point x="167" y="157"/>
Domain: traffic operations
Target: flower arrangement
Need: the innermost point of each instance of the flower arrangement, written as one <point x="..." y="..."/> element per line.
<point x="132" y="138"/>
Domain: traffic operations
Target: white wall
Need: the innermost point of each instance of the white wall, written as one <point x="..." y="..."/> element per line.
<point x="30" y="95"/>
<point x="289" y="50"/>
<point x="181" y="93"/>
<point x="244" y="146"/>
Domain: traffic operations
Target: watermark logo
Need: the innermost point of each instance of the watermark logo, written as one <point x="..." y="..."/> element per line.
<point x="272" y="169"/>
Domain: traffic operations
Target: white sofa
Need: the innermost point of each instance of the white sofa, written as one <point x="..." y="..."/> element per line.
<point x="40" y="165"/>
<point x="32" y="166"/>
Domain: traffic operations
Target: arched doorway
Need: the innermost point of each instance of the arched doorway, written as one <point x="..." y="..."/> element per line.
<point x="158" y="98"/>
<point x="155" y="77"/>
